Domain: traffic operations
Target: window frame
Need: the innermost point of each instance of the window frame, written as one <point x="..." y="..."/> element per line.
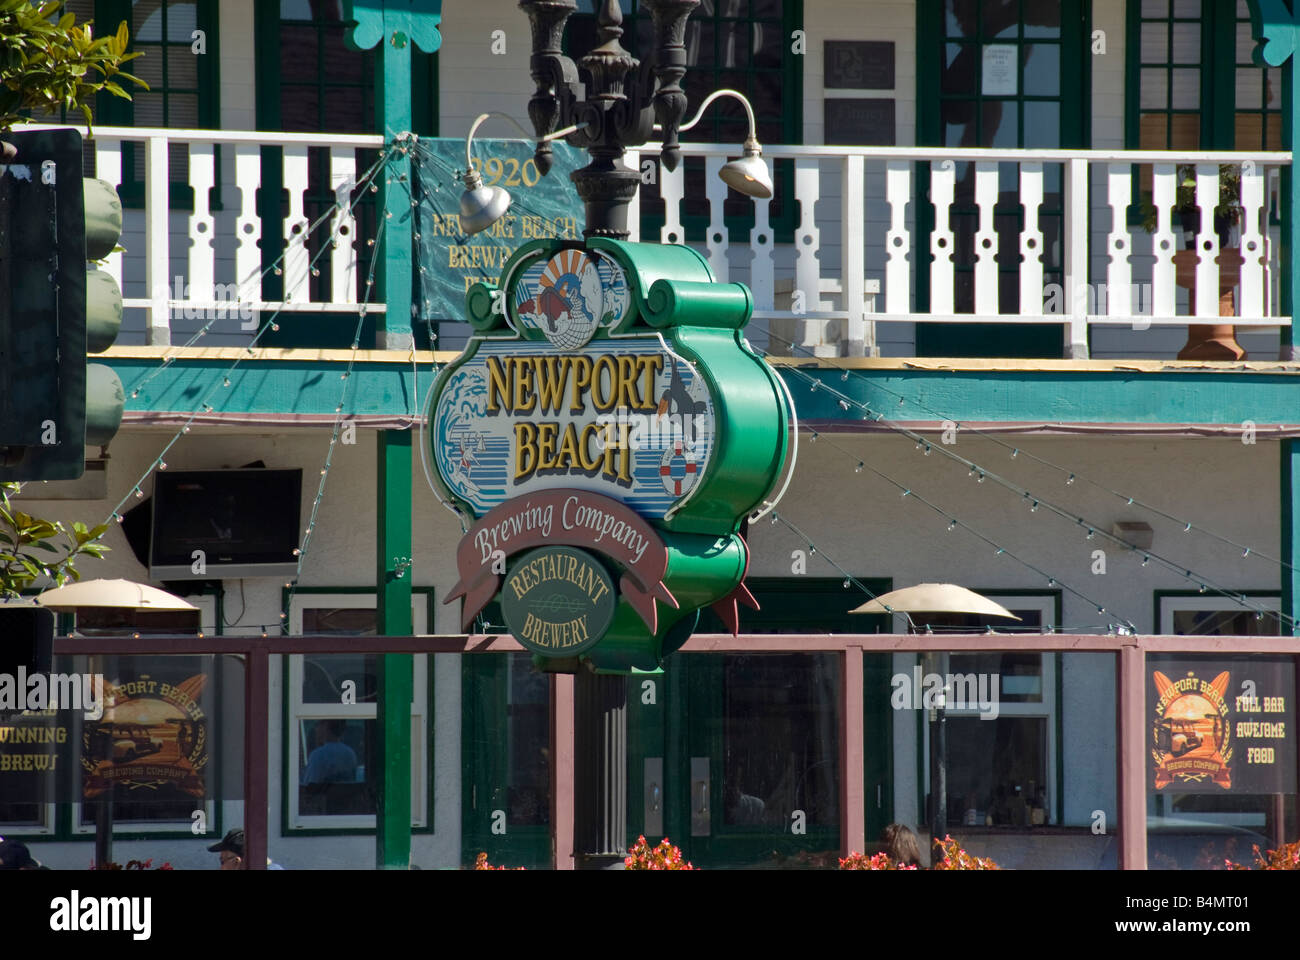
<point x="1168" y="602"/>
<point x="210" y="604"/>
<point x="114" y="111"/>
<point x="1217" y="104"/>
<point x="294" y="823"/>
<point x="1049" y="603"/>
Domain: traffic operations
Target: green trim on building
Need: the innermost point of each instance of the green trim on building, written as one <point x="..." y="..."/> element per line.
<point x="1055" y="395"/>
<point x="286" y="721"/>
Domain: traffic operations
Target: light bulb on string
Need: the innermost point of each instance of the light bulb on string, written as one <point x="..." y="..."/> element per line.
<point x="858" y="468"/>
<point x="162" y="464"/>
<point x="1069" y="480"/>
<point x="1245" y="553"/>
<point x="951" y="525"/>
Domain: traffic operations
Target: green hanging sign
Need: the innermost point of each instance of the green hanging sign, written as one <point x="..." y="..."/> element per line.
<point x="607" y="423"/>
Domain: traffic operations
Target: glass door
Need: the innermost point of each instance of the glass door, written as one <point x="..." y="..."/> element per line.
<point x="999" y="74"/>
<point x="736" y="756"/>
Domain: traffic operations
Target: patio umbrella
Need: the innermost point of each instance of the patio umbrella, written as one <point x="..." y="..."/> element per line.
<point x="112" y="593"/>
<point x="937" y="598"/>
<point x="934" y="598"/>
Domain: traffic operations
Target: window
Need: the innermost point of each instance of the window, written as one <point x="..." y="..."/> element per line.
<point x="310" y="81"/>
<point x="330" y="782"/>
<point x="1192" y="82"/>
<point x="177" y="40"/>
<point x="151" y="723"/>
<point x="1001" y="766"/>
<point x="740" y="45"/>
<point x="1207" y="616"/>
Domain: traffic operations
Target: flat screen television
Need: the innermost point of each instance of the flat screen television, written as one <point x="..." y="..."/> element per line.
<point x="246" y="522"/>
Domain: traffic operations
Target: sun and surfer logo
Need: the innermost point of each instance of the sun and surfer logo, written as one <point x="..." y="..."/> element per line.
<point x="570" y="296"/>
<point x="1191" y="735"/>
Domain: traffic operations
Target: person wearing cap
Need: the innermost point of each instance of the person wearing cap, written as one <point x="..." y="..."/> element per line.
<point x="16" y="856"/>
<point x="231" y="848"/>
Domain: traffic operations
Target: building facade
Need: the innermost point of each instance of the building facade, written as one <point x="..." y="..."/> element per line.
<point x="976" y="277"/>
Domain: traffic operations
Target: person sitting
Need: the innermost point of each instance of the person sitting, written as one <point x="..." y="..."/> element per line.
<point x="333" y="761"/>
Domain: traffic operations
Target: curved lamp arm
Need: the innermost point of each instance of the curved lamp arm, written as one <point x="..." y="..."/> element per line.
<point x="735" y="94"/>
<point x="483" y="117"/>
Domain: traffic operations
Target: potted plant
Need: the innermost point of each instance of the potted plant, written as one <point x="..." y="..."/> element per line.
<point x="1207" y="341"/>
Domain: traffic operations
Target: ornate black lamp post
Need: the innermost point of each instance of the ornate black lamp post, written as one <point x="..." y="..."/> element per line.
<point x="619" y="107"/>
<point x="617" y="110"/>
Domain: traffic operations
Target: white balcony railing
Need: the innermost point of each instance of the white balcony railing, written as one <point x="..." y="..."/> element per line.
<point x="1106" y="272"/>
<point x="858" y="258"/>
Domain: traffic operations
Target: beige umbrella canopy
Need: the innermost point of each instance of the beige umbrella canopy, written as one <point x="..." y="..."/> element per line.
<point x="934" y="598"/>
<point x="111" y="593"/>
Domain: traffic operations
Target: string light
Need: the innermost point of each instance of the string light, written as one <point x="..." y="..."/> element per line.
<point x="1054" y="508"/>
<point x="1129" y="500"/>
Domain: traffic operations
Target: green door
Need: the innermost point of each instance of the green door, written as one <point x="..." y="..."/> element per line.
<point x="505" y="758"/>
<point x="998" y="74"/>
<point x="736" y="756"/>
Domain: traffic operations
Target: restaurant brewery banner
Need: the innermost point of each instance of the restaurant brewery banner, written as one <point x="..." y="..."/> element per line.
<point x="604" y="436"/>
<point x="450" y="262"/>
<point x="1222" y="725"/>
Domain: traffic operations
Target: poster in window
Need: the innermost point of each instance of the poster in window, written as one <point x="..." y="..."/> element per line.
<point x="1000" y="66"/>
<point x="151" y="744"/>
<point x="1222" y="726"/>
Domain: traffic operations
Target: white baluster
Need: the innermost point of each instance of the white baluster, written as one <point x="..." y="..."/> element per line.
<point x="1031" y="241"/>
<point x="248" y="256"/>
<point x="858" y="341"/>
<point x="761" y="267"/>
<point x="807" y="266"/>
<point x="943" y="181"/>
<point x="296" y="257"/>
<point x="986" y="240"/>
<point x="108" y="167"/>
<point x="1164" y="191"/>
<point x="1207" y="242"/>
<point x="202" y="259"/>
<point x="156" y="239"/>
<point x="1253" y="276"/>
<point x="343" y="228"/>
<point x="1119" y="274"/>
<point x="1076" y="255"/>
<point x="898" y="242"/>
<point x="717" y="241"/>
<point x="672" y="187"/>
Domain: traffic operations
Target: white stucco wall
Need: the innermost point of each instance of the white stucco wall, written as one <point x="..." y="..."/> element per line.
<point x="854" y="519"/>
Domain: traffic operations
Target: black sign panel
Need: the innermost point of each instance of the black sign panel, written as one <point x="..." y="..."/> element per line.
<point x="1222" y="725"/>
<point x="859" y="65"/>
<point x="860" y="122"/>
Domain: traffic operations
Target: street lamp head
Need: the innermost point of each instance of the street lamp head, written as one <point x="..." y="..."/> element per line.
<point x="481" y="206"/>
<point x="749" y="174"/>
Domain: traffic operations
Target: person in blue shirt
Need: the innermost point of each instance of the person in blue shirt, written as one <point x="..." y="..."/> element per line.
<point x="333" y="761"/>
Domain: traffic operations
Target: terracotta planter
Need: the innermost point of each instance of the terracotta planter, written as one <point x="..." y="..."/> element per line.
<point x="1211" y="341"/>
